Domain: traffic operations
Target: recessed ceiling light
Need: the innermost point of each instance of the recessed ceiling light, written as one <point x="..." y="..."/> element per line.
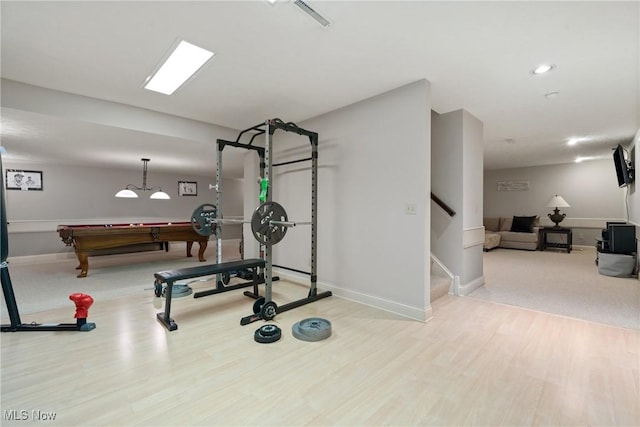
<point x="183" y="63"/>
<point x="582" y="159"/>
<point x="575" y="140"/>
<point x="551" y="95"/>
<point x="541" y="69"/>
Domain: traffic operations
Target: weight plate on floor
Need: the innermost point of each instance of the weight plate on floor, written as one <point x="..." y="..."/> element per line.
<point x="201" y="219"/>
<point x="269" y="310"/>
<point x="257" y="305"/>
<point x="178" y="291"/>
<point x="269" y="330"/>
<point x="312" y="329"/>
<point x="267" y="334"/>
<point x="261" y="226"/>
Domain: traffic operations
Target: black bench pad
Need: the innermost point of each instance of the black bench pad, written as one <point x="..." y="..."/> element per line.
<point x="205" y="270"/>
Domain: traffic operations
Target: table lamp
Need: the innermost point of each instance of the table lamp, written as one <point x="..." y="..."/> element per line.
<point x="557" y="202"/>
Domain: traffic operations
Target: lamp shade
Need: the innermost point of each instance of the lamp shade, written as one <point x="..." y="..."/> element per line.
<point x="127" y="194"/>
<point x="557" y="202"/>
<point x="160" y="195"/>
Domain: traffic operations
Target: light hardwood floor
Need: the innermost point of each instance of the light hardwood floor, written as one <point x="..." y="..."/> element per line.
<point x="475" y="363"/>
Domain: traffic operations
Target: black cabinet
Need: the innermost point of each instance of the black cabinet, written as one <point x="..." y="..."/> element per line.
<point x="618" y="238"/>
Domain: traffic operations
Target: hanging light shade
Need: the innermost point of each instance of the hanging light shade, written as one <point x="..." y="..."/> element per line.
<point x="128" y="192"/>
<point x="161" y="195"/>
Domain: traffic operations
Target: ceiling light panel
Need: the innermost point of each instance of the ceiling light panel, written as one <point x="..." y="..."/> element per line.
<point x="184" y="62"/>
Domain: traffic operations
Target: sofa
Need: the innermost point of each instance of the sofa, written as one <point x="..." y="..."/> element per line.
<point x="517" y="232"/>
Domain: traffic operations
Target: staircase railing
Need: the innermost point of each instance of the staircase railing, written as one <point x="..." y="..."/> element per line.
<point x="443" y="205"/>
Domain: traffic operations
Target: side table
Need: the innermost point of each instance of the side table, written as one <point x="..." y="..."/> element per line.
<point x="546" y="231"/>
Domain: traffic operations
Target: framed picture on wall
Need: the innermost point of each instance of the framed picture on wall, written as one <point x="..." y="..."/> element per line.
<point x="23" y="180"/>
<point x="187" y="188"/>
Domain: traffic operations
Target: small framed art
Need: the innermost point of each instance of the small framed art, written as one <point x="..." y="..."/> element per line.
<point x="23" y="180"/>
<point x="187" y="188"/>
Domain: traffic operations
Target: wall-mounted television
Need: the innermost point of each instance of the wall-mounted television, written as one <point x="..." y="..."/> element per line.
<point x="624" y="170"/>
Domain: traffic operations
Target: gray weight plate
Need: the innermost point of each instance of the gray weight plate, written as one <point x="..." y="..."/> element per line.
<point x="178" y="291"/>
<point x="312" y="329"/>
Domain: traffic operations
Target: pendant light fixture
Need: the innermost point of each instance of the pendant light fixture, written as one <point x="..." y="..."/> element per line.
<point x="128" y="192"/>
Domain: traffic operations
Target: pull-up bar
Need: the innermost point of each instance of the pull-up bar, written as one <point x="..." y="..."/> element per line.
<point x="292" y="161"/>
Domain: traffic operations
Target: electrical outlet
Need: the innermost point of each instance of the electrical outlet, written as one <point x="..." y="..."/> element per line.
<point x="410" y="209"/>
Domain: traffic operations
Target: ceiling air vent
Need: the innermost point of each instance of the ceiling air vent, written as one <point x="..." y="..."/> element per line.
<point x="312" y="13"/>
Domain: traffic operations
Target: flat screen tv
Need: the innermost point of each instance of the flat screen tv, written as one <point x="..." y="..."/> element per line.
<point x="623" y="170"/>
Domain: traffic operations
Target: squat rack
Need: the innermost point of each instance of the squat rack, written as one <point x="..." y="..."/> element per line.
<point x="265" y="155"/>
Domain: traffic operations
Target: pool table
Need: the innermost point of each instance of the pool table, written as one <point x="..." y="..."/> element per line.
<point x="89" y="239"/>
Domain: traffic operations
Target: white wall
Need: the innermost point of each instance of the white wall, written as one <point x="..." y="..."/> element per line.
<point x="456" y="171"/>
<point x="590" y="188"/>
<point x="373" y="161"/>
<point x="472" y="171"/>
<point x="447" y="184"/>
<point x="81" y="195"/>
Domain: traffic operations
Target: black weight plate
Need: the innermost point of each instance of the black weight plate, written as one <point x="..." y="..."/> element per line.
<point x="269" y="310"/>
<point x="257" y="305"/>
<point x="201" y="219"/>
<point x="274" y="336"/>
<point x="226" y="277"/>
<point x="312" y="329"/>
<point x="261" y="226"/>
<point x="269" y="330"/>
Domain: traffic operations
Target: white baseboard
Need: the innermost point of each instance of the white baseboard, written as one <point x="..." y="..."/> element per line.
<point x="471" y="286"/>
<point x="369" y="300"/>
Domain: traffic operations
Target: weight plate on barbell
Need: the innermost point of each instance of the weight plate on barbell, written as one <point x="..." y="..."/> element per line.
<point x="265" y="232"/>
<point x="201" y="219"/>
<point x="312" y="329"/>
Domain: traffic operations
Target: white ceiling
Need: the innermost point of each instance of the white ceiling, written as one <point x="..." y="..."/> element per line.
<point x="275" y="61"/>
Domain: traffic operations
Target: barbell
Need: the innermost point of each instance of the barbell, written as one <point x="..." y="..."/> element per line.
<point x="269" y="222"/>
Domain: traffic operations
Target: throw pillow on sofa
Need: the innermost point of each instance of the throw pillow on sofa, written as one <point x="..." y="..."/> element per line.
<point x="523" y="224"/>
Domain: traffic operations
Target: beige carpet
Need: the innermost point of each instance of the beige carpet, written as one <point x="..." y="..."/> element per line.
<point x="560" y="283"/>
<point x="42" y="286"/>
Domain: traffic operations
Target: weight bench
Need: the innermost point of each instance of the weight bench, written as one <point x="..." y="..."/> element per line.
<point x="171" y="276"/>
